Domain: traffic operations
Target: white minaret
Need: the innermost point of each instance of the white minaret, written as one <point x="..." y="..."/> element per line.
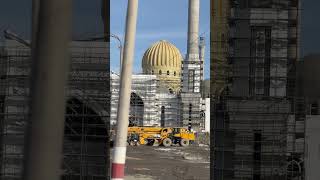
<point x="191" y="73"/>
<point x="193" y="28"/>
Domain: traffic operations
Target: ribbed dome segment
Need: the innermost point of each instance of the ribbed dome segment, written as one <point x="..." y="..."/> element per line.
<point x="164" y="60"/>
<point x="162" y="55"/>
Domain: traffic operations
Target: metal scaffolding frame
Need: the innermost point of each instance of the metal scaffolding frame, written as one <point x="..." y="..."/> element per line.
<point x="143" y="111"/>
<point x="85" y="150"/>
<point x="257" y="119"/>
<point x="156" y="104"/>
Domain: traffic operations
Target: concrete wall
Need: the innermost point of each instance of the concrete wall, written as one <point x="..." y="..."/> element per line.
<point x="312" y="154"/>
<point x="308" y="76"/>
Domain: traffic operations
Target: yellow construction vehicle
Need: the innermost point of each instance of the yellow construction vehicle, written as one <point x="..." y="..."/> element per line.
<point x="160" y="136"/>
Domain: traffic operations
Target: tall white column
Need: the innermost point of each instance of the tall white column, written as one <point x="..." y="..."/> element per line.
<point x="193" y="28"/>
<point x="119" y="154"/>
<point x="191" y="64"/>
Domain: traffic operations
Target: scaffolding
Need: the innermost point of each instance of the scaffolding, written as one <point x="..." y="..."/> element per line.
<point x="154" y="103"/>
<point x="15" y="69"/>
<point x="85" y="150"/>
<point x="143" y="104"/>
<point x="257" y="119"/>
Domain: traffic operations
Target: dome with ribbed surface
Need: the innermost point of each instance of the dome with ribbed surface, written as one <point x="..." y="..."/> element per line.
<point x="162" y="54"/>
<point x="164" y="60"/>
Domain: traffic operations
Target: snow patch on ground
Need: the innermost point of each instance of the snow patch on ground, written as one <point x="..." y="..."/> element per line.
<point x="132" y="158"/>
<point x="164" y="149"/>
<point x="138" y="177"/>
<point x="203" y="145"/>
<point x="196" y="158"/>
<point x="142" y="169"/>
<point x="192" y="157"/>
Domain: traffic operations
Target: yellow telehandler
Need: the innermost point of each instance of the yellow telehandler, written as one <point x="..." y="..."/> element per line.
<point x="160" y="136"/>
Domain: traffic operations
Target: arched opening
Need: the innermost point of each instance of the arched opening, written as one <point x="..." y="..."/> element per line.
<point x="160" y="72"/>
<point x="174" y="73"/>
<point x="136" y="110"/>
<point x="168" y="73"/>
<point x="85" y="140"/>
<point x="294" y="168"/>
<point x="152" y="72"/>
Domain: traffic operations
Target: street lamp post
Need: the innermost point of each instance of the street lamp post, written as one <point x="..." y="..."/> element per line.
<point x="120" y="47"/>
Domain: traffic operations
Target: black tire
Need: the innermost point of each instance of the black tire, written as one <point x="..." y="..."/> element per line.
<point x="184" y="142"/>
<point x="167" y="142"/>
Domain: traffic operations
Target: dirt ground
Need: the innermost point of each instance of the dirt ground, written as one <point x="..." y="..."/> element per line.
<point x="167" y="163"/>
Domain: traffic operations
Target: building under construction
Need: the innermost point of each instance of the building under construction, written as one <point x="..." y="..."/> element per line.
<point x="159" y="96"/>
<point x="143" y="104"/>
<point x="257" y="121"/>
<point x="153" y="104"/>
<point x="169" y="91"/>
<point x="85" y="149"/>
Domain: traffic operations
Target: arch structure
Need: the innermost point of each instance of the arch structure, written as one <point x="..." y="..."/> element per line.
<point x="86" y="136"/>
<point x="143" y="109"/>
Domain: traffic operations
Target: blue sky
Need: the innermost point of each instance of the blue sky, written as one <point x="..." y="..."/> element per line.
<point x="158" y="19"/>
<point x="170" y="22"/>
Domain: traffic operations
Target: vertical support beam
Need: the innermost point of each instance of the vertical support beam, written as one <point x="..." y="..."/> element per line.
<point x="46" y="128"/>
<point x="190" y="117"/>
<point x="105" y="14"/>
<point x="119" y="154"/>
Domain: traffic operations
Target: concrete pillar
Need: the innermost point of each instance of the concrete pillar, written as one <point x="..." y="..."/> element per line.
<point x="52" y="33"/>
<point x="119" y="154"/>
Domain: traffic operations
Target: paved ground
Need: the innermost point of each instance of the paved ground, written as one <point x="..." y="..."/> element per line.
<point x="161" y="163"/>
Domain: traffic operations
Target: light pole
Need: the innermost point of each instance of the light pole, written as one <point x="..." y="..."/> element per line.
<point x="119" y="154"/>
<point x="120" y="46"/>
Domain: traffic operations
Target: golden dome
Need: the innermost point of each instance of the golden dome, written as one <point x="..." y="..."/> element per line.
<point x="162" y="55"/>
<point x="164" y="60"/>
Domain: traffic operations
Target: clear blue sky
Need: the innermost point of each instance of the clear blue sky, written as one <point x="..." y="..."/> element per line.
<point x="170" y="22"/>
<point x="158" y="19"/>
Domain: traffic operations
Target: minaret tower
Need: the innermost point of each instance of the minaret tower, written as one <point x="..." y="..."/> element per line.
<point x="192" y="73"/>
<point x="191" y="77"/>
